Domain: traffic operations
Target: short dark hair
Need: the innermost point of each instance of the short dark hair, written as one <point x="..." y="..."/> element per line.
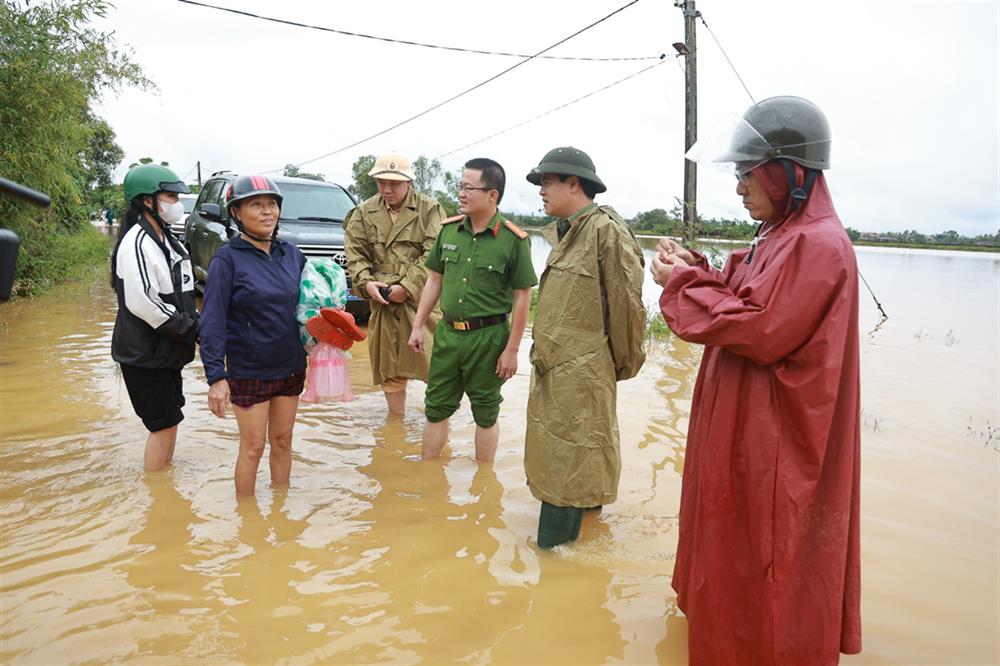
<point x="589" y="188"/>
<point x="493" y="174"/>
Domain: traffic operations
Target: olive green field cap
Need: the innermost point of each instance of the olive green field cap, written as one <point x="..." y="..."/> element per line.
<point x="567" y="161"/>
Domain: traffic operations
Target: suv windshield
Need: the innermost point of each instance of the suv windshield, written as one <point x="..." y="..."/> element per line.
<point x="188" y="203"/>
<point x="314" y="201"/>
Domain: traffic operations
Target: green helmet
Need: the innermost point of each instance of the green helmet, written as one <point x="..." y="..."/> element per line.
<point x="148" y="179"/>
<point x="567" y="161"/>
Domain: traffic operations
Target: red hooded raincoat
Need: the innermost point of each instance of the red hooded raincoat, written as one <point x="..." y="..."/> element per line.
<point x="768" y="567"/>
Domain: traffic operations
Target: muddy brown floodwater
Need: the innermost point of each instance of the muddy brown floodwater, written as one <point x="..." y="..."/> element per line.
<point x="374" y="556"/>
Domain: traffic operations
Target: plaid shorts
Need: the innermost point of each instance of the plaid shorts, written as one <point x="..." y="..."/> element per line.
<point x="248" y="392"/>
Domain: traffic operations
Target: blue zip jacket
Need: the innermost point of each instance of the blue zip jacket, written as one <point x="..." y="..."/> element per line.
<point x="248" y="327"/>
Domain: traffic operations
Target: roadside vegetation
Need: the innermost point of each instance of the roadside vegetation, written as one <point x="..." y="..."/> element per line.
<point x="660" y="222"/>
<point x="55" y="68"/>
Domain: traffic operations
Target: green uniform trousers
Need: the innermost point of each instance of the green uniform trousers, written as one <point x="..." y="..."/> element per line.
<point x="466" y="362"/>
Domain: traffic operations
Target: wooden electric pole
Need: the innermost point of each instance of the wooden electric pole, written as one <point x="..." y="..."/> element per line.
<point x="690" y="119"/>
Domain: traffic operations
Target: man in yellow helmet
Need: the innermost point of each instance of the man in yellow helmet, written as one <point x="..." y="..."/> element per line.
<point x="387" y="238"/>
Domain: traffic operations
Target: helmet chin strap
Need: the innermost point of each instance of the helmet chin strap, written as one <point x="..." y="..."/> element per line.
<point x="798" y="195"/>
<point x="256" y="238"/>
<point x="155" y="214"/>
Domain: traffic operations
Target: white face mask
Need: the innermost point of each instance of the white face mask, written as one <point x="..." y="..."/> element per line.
<point x="171" y="212"/>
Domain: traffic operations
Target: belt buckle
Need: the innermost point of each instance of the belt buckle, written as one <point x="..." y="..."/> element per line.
<point x="460" y="325"/>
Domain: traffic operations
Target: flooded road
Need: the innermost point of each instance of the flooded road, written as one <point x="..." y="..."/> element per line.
<point x="373" y="556"/>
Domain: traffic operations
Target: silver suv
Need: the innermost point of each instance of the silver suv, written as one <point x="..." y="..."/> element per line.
<point x="312" y="217"/>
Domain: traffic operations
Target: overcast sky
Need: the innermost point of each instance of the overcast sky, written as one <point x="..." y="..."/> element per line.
<point x="911" y="90"/>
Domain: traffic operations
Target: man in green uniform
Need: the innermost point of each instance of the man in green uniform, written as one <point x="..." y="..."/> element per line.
<point x="588" y="334"/>
<point x="386" y="240"/>
<point x="480" y="269"/>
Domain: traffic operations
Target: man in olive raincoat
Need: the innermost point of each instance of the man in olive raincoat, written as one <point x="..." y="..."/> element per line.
<point x="587" y="336"/>
<point x="387" y="238"/>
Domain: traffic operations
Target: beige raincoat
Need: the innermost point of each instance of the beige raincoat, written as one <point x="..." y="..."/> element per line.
<point x="393" y="252"/>
<point x="588" y="334"/>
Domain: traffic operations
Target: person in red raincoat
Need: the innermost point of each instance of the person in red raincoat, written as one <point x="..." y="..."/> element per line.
<point x="768" y="567"/>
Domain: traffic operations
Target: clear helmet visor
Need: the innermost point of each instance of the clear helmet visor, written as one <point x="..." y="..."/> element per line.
<point x="732" y="145"/>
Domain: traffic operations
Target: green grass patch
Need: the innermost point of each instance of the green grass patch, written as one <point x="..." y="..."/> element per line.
<point x="656" y="326"/>
<point x="930" y="246"/>
<point x="48" y="259"/>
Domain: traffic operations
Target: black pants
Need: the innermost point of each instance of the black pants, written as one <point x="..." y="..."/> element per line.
<point x="157" y="395"/>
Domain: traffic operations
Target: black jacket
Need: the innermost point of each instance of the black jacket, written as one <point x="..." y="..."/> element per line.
<point x="157" y="323"/>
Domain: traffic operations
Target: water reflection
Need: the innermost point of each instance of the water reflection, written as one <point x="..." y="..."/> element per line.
<point x="165" y="575"/>
<point x="373" y="556"/>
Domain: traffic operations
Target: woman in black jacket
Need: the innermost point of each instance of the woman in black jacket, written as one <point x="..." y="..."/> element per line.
<point x="157" y="324"/>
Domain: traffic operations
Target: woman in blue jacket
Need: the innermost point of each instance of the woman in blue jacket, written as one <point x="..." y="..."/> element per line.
<point x="249" y="337"/>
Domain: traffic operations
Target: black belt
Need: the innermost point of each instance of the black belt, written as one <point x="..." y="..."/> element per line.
<point x="473" y="324"/>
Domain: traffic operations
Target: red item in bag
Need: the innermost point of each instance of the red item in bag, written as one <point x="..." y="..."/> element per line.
<point x="344" y="321"/>
<point x="324" y="331"/>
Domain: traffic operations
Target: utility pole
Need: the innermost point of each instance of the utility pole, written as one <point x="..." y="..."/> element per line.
<point x="690" y="52"/>
<point x="199" y="175"/>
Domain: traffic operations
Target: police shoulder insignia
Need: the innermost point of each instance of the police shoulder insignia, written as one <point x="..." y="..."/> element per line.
<point x="518" y="231"/>
<point x="453" y="218"/>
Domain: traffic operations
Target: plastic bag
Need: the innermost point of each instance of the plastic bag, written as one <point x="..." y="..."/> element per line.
<point x="326" y="379"/>
<point x="323" y="285"/>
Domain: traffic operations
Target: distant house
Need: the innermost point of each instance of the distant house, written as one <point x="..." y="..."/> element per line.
<point x="874" y="237"/>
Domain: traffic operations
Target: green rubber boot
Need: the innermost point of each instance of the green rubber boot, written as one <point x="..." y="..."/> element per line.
<point x="558" y="524"/>
<point x="577" y="521"/>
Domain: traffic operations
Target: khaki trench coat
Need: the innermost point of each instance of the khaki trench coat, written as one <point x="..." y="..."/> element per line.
<point x="588" y="334"/>
<point x="393" y="252"/>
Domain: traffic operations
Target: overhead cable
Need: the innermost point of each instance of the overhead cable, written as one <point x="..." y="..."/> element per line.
<point x="461" y="94"/>
<point x="726" y="57"/>
<point x="553" y="110"/>
<point x="406" y="42"/>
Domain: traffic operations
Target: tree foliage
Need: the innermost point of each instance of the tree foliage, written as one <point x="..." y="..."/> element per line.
<point x="147" y="160"/>
<point x="427" y="173"/>
<point x="364" y="185"/>
<point x="55" y="67"/>
<point x="293" y="171"/>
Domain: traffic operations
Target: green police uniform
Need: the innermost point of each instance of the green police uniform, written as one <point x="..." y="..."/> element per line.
<point x="479" y="275"/>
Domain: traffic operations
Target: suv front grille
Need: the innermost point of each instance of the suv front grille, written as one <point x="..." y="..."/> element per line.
<point x="325" y="251"/>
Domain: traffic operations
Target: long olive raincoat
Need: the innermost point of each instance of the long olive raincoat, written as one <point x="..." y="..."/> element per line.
<point x="588" y="334"/>
<point x="393" y="252"/>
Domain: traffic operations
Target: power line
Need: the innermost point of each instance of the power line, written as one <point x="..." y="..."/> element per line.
<point x="553" y="110"/>
<point x="461" y="94"/>
<point x="726" y="57"/>
<point x="406" y="42"/>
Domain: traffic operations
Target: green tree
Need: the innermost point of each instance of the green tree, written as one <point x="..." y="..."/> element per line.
<point x="147" y="160"/>
<point x="364" y="186"/>
<point x="949" y="237"/>
<point x="427" y="173"/>
<point x="447" y="195"/>
<point x="55" y="66"/>
<point x="101" y="155"/>
<point x="293" y="171"/>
